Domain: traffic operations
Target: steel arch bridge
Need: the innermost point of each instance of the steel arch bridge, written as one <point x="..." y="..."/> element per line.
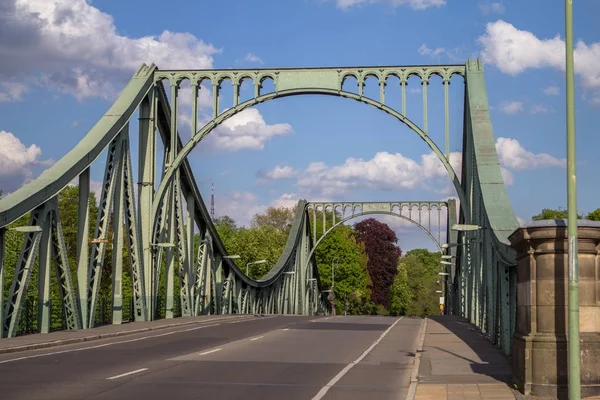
<point x="158" y="212"/>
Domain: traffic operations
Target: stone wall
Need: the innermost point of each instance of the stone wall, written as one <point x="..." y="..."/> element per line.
<point x="539" y="348"/>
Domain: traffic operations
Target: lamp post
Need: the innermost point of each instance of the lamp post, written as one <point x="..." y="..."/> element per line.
<point x="574" y="354"/>
<point x="333" y="283"/>
<point x="253" y="263"/>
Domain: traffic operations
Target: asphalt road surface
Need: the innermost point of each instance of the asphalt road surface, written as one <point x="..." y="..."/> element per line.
<point x="248" y="357"/>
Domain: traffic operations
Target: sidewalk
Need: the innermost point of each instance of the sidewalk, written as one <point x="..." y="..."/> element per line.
<point x="59" y="338"/>
<point x="458" y="363"/>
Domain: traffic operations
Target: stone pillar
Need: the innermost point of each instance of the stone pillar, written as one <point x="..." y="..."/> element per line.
<point x="539" y="347"/>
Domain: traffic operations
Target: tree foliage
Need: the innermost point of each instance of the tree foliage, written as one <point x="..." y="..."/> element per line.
<point x="548" y="213"/>
<point x="280" y="218"/>
<point x="380" y="245"/>
<point x="352" y="284"/>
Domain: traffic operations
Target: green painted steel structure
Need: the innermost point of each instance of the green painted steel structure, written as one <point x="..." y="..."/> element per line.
<point x="158" y="225"/>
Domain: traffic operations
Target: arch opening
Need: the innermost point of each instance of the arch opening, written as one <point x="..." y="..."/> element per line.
<point x="209" y="127"/>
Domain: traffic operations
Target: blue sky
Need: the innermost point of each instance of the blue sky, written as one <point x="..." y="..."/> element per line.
<point x="63" y="66"/>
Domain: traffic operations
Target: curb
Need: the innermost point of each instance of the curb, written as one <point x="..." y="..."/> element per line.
<point x="414" y="379"/>
<point x="62" y="342"/>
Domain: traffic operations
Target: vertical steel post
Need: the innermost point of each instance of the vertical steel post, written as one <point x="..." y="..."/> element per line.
<point x="83" y="238"/>
<point x="44" y="312"/>
<point x="146" y="177"/>
<point x="574" y="352"/>
<point x="2" y="252"/>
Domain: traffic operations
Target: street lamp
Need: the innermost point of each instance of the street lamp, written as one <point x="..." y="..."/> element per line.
<point x="574" y="354"/>
<point x="253" y="263"/>
<point x="234" y="257"/>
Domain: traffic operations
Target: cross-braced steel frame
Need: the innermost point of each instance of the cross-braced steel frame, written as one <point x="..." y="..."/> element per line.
<point x="157" y="226"/>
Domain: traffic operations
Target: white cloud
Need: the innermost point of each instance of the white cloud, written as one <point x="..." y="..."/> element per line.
<point x="247" y="130"/>
<point x="513" y="156"/>
<point x="552" y="91"/>
<point x="539" y="109"/>
<point x="11" y="91"/>
<point x="387" y="171"/>
<point x="253" y="58"/>
<point x="512" y="107"/>
<point x="491" y="7"/>
<point x="414" y="4"/>
<point x="451" y="54"/>
<point x="242" y="206"/>
<point x="17" y="161"/>
<point x="276" y="174"/>
<point x="75" y="48"/>
<point x="513" y="51"/>
<point x="426" y="51"/>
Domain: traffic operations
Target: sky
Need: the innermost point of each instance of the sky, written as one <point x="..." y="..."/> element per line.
<point x="65" y="62"/>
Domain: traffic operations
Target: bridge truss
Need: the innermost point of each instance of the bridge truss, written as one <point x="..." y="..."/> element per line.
<point x="154" y="217"/>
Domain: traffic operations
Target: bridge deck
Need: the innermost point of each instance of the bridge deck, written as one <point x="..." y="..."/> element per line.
<point x="224" y="357"/>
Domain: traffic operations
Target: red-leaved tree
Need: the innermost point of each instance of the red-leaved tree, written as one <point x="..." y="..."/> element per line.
<point x="380" y="245"/>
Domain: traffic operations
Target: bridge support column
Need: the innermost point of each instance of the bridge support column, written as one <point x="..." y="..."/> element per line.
<point x="539" y="347"/>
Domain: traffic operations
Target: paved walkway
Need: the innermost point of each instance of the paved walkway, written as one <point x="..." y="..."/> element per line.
<point x="459" y="363"/>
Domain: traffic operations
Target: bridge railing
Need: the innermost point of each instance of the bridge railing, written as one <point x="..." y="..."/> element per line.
<point x="484" y="289"/>
<point x="154" y="250"/>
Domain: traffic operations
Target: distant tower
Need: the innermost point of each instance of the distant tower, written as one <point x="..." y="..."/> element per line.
<point x="212" y="203"/>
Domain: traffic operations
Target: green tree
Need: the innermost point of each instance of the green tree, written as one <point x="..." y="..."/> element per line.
<point x="594" y="215"/>
<point x="548" y="213"/>
<point x="352" y="281"/>
<point x="280" y="218"/>
<point x="400" y="294"/>
<point x="422" y="267"/>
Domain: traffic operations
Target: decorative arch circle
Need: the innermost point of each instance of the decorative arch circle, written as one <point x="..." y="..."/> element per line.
<point x="439" y="246"/>
<point x="209" y="127"/>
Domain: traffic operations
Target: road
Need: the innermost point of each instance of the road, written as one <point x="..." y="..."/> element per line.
<point x="248" y="357"/>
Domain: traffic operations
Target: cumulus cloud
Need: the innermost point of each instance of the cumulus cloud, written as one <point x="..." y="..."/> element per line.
<point x="17" y="161"/>
<point x="552" y="91"/>
<point x="491" y="7"/>
<point x="11" y="91"/>
<point x="513" y="51"/>
<point x="385" y="171"/>
<point x="246" y="130"/>
<point x="60" y="43"/>
<point x="414" y="4"/>
<point x="539" y="109"/>
<point x="513" y="156"/>
<point x="276" y="174"/>
<point x="451" y="54"/>
<point x="242" y="206"/>
<point x="253" y="58"/>
<point x="394" y="171"/>
<point x="512" y="107"/>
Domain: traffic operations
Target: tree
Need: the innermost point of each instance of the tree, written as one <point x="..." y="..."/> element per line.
<point x="594" y="215"/>
<point x="380" y="245"/>
<point x="280" y="218"/>
<point x="548" y="213"/>
<point x="422" y="267"/>
<point x="352" y="280"/>
<point x="400" y="294"/>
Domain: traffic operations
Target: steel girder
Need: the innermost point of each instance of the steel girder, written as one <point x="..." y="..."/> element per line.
<point x="481" y="283"/>
<point x="44" y="232"/>
<point x="484" y="288"/>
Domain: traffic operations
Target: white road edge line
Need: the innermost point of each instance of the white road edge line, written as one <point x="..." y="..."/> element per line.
<point x="105" y="344"/>
<point x="286" y="329"/>
<point x="256" y="338"/>
<point x="348" y="367"/>
<point x="414" y="379"/>
<point x="128" y="373"/>
<point x="210" y="351"/>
